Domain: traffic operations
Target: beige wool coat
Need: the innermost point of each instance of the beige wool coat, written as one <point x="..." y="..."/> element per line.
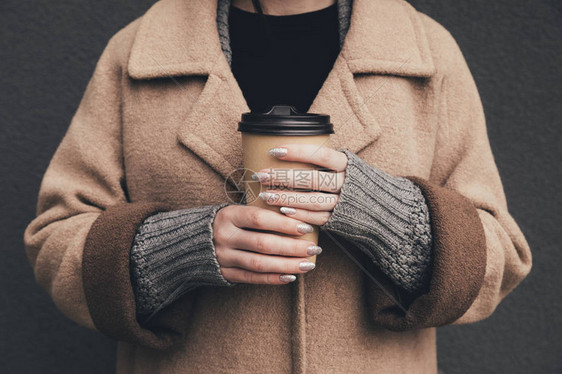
<point x="156" y="130"/>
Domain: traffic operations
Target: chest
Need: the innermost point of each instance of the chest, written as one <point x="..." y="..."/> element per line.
<point x="181" y="144"/>
<point x="285" y="63"/>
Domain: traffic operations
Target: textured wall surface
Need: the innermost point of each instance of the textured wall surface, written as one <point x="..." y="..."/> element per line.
<point x="48" y="50"/>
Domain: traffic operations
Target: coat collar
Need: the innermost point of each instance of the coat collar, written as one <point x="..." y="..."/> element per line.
<point x="178" y="37"/>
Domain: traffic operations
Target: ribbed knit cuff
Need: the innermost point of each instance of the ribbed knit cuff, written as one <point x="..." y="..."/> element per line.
<point x="173" y="252"/>
<point x="388" y="219"/>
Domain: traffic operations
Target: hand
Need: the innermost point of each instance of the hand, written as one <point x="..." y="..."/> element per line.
<point x="247" y="256"/>
<point x="312" y="207"/>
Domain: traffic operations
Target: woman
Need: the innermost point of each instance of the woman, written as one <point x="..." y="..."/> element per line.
<point x="135" y="235"/>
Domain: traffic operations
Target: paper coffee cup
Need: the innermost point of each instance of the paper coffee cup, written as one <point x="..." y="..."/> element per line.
<point x="280" y="125"/>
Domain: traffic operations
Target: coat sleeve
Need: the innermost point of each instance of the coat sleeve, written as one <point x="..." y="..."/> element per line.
<point x="79" y="242"/>
<point x="479" y="252"/>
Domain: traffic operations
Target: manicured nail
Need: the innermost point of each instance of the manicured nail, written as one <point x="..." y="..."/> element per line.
<point x="259" y="176"/>
<point x="287" y="278"/>
<point x="268" y="196"/>
<point x="313" y="250"/>
<point x="307" y="265"/>
<point x="304" y="228"/>
<point x="287" y="210"/>
<point x="278" y="152"/>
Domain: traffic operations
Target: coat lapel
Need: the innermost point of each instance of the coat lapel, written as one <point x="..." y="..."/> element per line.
<point x="178" y="37"/>
<point x="210" y="130"/>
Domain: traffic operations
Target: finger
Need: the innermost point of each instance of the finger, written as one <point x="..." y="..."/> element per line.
<point x="308" y="216"/>
<point x="238" y="275"/>
<point x="311" y="153"/>
<point x="315" y="180"/>
<point x="316" y="201"/>
<point x="263" y="219"/>
<point x="261" y="263"/>
<point x="272" y="244"/>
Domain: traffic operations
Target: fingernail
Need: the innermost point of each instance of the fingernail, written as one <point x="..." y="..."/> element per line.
<point x="304" y="228"/>
<point x="287" y="278"/>
<point x="278" y="152"/>
<point x="268" y="196"/>
<point x="259" y="176"/>
<point x="307" y="265"/>
<point x="313" y="250"/>
<point x="287" y="210"/>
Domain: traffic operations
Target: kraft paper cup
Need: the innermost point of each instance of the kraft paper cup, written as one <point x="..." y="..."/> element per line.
<point x="263" y="131"/>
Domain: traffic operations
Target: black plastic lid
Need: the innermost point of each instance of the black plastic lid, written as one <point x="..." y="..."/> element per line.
<point x="285" y="120"/>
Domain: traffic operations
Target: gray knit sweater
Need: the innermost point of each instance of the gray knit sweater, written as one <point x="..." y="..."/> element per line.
<point x="386" y="217"/>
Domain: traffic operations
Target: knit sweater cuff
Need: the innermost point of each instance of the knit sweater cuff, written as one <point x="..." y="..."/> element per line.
<point x="172" y="253"/>
<point x="388" y="219"/>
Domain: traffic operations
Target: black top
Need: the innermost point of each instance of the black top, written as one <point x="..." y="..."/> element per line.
<point x="290" y="65"/>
